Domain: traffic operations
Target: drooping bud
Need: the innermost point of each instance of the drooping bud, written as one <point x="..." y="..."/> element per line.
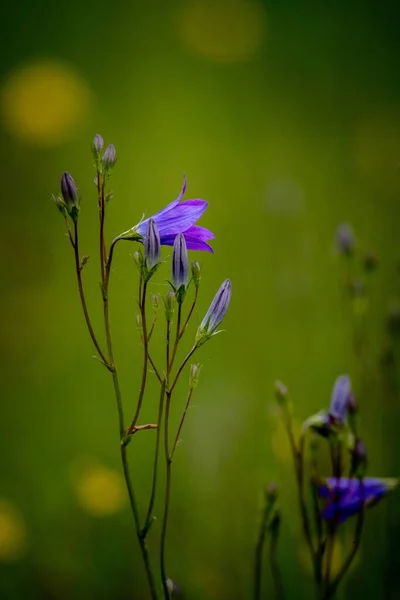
<point x="194" y="375"/>
<point x="169" y="301"/>
<point x="339" y="399"/>
<point x="98" y="144"/>
<point x="180" y="263"/>
<point x="196" y="273"/>
<point x="359" y="458"/>
<point x="152" y="245"/>
<point x="215" y="313"/>
<point x="345" y="239"/>
<point x="109" y="157"/>
<point x="70" y="194"/>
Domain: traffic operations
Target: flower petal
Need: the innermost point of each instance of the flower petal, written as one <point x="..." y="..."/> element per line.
<point x="181" y="217"/>
<point x="198" y="233"/>
<point x="191" y="243"/>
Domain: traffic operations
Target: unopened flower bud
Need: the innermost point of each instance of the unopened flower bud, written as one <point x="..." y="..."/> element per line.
<point x="215" y="313"/>
<point x="281" y="392"/>
<point x="196" y="273"/>
<point x="180" y="263"/>
<point x="59" y="202"/>
<point x="345" y="239"/>
<point x="109" y="157"/>
<point x="194" y="375"/>
<point x="70" y="194"/>
<point x="271" y="491"/>
<point x="155" y="302"/>
<point x="370" y="262"/>
<point x="339" y="400"/>
<point x="169" y="301"/>
<point x="352" y="404"/>
<point x="359" y="457"/>
<point x="98" y="143"/>
<point x="152" y="245"/>
<point x="139" y="321"/>
<point x="139" y="260"/>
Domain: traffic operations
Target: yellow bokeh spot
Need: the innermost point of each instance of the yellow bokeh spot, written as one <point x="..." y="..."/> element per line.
<point x="12" y="532"/>
<point x="100" y="491"/>
<point x="222" y="30"/>
<point x="280" y="441"/>
<point x="44" y="102"/>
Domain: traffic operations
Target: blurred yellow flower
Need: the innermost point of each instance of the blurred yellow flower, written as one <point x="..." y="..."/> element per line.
<point x="12" y="532"/>
<point x="44" y="102"/>
<point x="100" y="491"/>
<point x="222" y="30"/>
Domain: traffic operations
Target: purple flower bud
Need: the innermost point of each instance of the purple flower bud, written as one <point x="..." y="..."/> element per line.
<point x="109" y="157"/>
<point x="70" y="194"/>
<point x="215" y="313"/>
<point x="271" y="491"/>
<point x="345" y="239"/>
<point x="98" y="143"/>
<point x="359" y="454"/>
<point x="339" y="400"/>
<point x="180" y="263"/>
<point x="352" y="404"/>
<point x="152" y="246"/>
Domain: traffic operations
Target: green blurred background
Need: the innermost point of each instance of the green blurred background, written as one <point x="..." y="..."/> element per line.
<point x="285" y="116"/>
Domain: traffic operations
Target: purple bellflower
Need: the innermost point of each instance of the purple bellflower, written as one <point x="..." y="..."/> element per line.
<point x="177" y="217"/>
<point x="347" y="496"/>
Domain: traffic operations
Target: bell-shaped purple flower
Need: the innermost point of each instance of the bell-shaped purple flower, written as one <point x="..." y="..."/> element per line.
<point x="339" y="399"/>
<point x="152" y="247"/>
<point x="180" y="263"/>
<point x="347" y="496"/>
<point x="215" y="313"/>
<point x="180" y="217"/>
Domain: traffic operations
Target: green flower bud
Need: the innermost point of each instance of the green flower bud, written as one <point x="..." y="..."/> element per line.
<point x="169" y="301"/>
<point x="196" y="273"/>
<point x="194" y="375"/>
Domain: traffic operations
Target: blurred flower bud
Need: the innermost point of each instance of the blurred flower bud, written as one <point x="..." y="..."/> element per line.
<point x="97" y="145"/>
<point x="109" y="157"/>
<point x="139" y="321"/>
<point x="169" y="301"/>
<point x="320" y="423"/>
<point x="180" y="263"/>
<point x="275" y="524"/>
<point x="370" y="261"/>
<point x="393" y="319"/>
<point x="281" y="392"/>
<point x="345" y="239"/>
<point x="356" y="287"/>
<point x="196" y="273"/>
<point x="339" y="399"/>
<point x="359" y="458"/>
<point x="194" y="375"/>
<point x="352" y="404"/>
<point x="271" y="491"/>
<point x="215" y="313"/>
<point x="84" y="260"/>
<point x="70" y="194"/>
<point x="59" y="202"/>
<point x="155" y="302"/>
<point x="152" y="245"/>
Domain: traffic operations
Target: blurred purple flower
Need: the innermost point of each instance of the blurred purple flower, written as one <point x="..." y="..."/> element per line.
<point x="340" y="398"/>
<point x="180" y="217"/>
<point x="346" y="496"/>
<point x="345" y="238"/>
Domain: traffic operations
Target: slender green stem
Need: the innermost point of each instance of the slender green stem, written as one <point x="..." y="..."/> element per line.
<point x="182" y="331"/>
<point x="335" y="452"/>
<point x="156" y="371"/>
<point x="141" y="538"/>
<point x="349" y="560"/>
<point x="179" y="371"/>
<point x="178" y="433"/>
<point x="100" y="194"/>
<point x="156" y="453"/>
<point x="258" y="555"/>
<point x="273" y="558"/>
<point x="177" y="337"/>
<point x="168" y="342"/>
<point x="168" y="462"/>
<point x="145" y="357"/>
<point x="78" y="269"/>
